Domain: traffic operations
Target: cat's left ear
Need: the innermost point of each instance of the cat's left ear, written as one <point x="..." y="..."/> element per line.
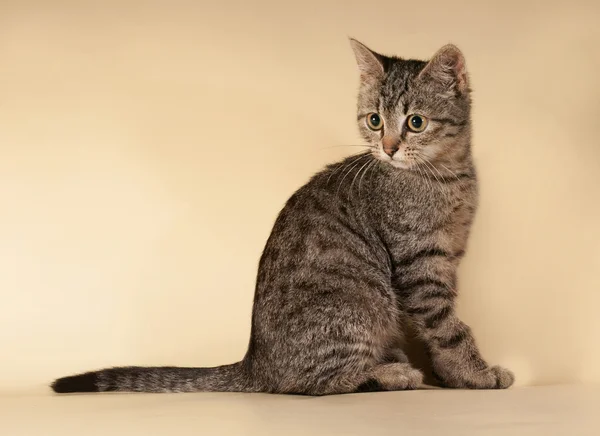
<point x="370" y="64"/>
<point x="448" y="67"/>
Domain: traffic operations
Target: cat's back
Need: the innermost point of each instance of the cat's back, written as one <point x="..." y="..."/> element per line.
<point x="323" y="211"/>
<point x="324" y="279"/>
<point x="322" y="232"/>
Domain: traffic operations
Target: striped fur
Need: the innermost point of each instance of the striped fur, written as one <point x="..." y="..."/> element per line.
<point x="367" y="243"/>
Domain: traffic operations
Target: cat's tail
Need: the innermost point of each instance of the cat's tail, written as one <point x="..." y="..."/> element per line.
<point x="226" y="378"/>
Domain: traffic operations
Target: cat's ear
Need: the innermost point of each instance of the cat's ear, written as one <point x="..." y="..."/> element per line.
<point x="370" y="64"/>
<point x="448" y="67"/>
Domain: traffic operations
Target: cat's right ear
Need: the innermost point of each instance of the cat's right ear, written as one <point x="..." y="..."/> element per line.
<point x="370" y="64"/>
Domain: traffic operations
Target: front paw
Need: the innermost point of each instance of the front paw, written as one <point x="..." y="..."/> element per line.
<point x="504" y="378"/>
<point x="495" y="377"/>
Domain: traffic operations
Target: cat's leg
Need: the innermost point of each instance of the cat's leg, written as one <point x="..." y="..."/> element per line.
<point x="396" y="355"/>
<point x="455" y="357"/>
<point x="394" y="351"/>
<point x="362" y="371"/>
<point x="383" y="377"/>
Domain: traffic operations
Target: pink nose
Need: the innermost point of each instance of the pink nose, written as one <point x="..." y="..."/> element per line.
<point x="390" y="144"/>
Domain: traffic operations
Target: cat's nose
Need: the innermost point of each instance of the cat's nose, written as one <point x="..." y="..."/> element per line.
<point x="390" y="145"/>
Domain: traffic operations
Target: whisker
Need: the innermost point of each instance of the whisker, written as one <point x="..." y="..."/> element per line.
<point x="349" y="171"/>
<point x="355" y="176"/>
<point x="443" y="189"/>
<point x="362" y="177"/>
<point x="429" y="167"/>
<point x="376" y="162"/>
<point x="359" y="154"/>
<point x="458" y="179"/>
<point x="424" y="173"/>
<point x="437" y="170"/>
<point x="347" y="145"/>
<point x="450" y="171"/>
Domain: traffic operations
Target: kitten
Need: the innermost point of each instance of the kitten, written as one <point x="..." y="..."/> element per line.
<point x="366" y="245"/>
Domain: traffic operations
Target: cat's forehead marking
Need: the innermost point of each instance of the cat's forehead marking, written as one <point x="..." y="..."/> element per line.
<point x="397" y="84"/>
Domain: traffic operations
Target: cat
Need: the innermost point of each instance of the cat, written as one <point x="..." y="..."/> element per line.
<point x="368" y="246"/>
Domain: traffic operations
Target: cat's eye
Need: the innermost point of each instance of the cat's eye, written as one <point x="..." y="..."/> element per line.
<point x="374" y="121"/>
<point x="417" y="123"/>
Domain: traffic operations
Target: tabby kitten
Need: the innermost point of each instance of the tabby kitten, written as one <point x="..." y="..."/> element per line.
<point x="366" y="245"/>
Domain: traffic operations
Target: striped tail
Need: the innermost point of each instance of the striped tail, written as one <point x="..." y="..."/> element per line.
<point x="226" y="378"/>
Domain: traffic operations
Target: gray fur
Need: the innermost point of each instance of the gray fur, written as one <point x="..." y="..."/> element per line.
<point x="367" y="245"/>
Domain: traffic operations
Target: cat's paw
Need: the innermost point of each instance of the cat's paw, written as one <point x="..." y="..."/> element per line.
<point x="414" y="379"/>
<point x="397" y="377"/>
<point x="504" y="377"/>
<point x="494" y="377"/>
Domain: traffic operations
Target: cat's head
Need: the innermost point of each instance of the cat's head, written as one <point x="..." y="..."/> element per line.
<point x="412" y="111"/>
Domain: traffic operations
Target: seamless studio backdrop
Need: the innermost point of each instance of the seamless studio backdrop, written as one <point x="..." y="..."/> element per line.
<point x="147" y="147"/>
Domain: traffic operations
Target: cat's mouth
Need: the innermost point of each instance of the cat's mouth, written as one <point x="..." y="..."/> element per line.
<point x="401" y="164"/>
<point x="396" y="160"/>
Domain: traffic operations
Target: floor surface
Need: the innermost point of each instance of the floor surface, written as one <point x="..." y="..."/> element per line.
<point x="572" y="410"/>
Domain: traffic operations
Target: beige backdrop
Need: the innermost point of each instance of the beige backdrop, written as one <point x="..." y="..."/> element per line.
<point x="146" y="148"/>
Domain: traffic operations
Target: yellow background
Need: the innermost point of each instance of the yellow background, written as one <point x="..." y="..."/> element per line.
<point x="146" y="148"/>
